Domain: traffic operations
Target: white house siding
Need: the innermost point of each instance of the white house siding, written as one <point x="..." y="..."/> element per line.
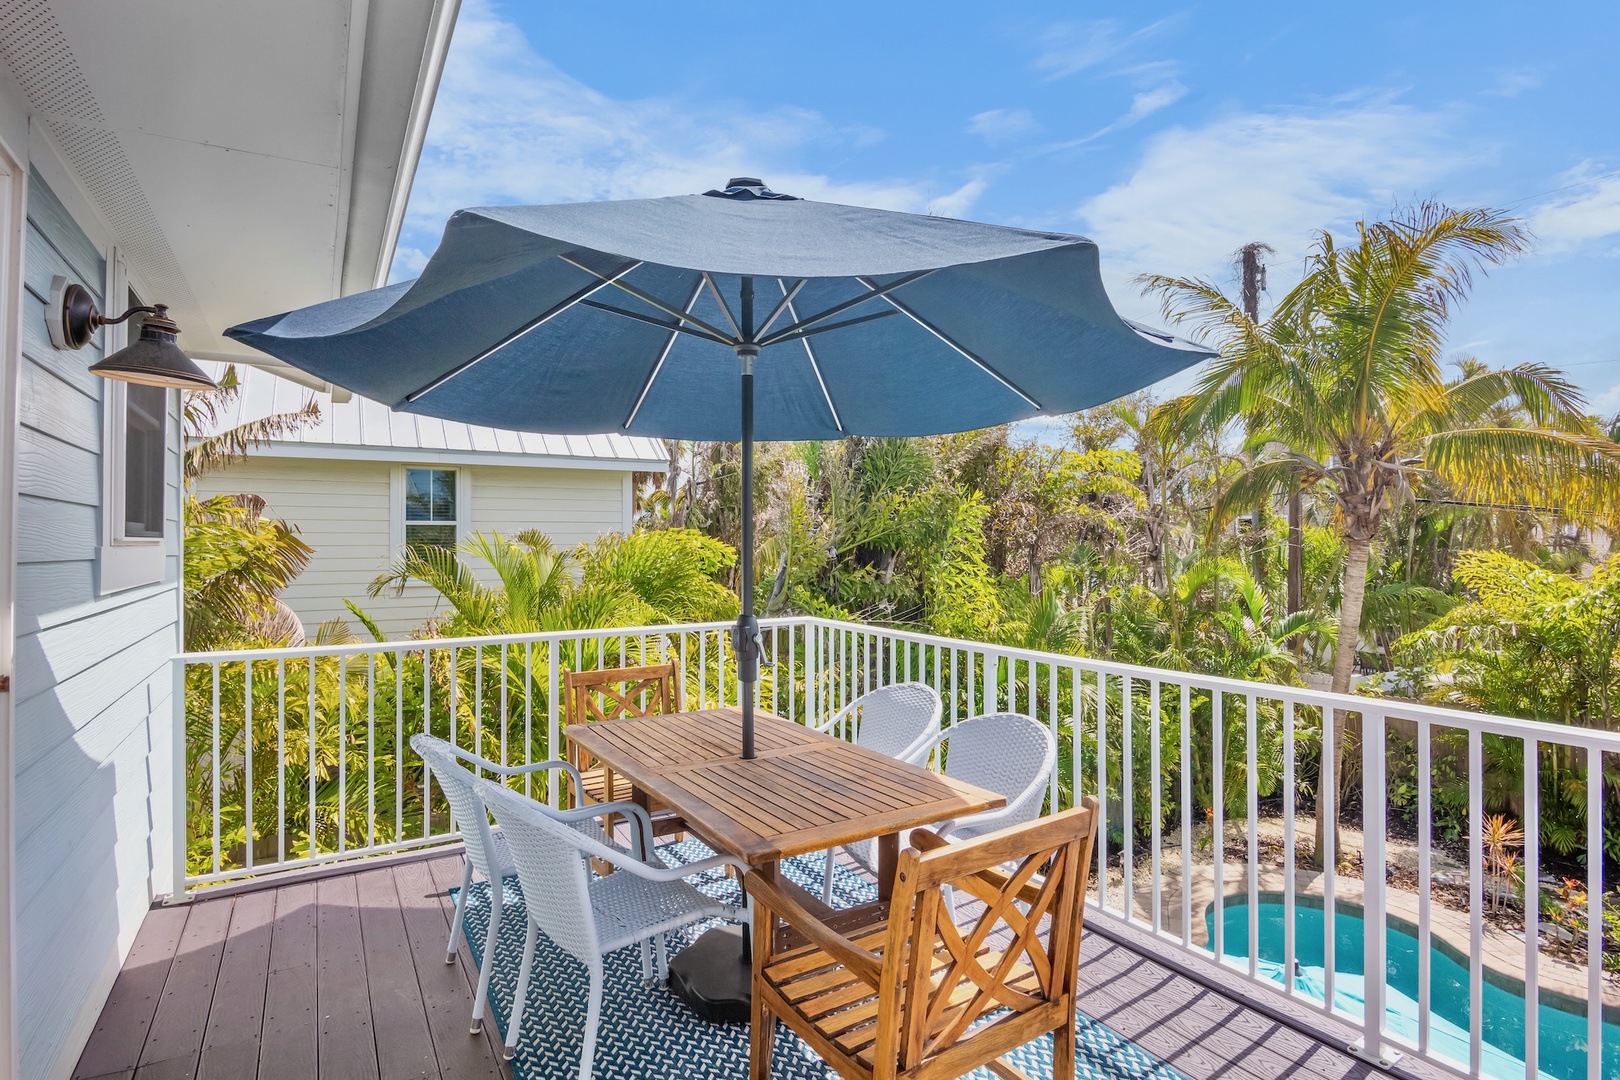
<point x="92" y="720"/>
<point x="342" y="510"/>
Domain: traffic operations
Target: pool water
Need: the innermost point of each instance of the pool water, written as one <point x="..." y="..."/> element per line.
<point x="1562" y="1034"/>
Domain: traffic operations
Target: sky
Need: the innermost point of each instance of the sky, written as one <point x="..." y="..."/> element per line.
<point x="1169" y="134"/>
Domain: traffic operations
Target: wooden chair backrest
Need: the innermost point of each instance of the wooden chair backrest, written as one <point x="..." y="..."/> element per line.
<point x="629" y="691"/>
<point x="937" y="1012"/>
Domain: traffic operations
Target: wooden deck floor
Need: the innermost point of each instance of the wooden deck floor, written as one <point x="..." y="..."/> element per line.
<point x="344" y="978"/>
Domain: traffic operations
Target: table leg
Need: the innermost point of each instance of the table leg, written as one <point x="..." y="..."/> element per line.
<point x="888" y="862"/>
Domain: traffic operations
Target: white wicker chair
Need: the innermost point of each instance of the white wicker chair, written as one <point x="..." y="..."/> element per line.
<point x="484" y="848"/>
<point x="1007" y="753"/>
<point x="899" y="720"/>
<point x="591" y="916"/>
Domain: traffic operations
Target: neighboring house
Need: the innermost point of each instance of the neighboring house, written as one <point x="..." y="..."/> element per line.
<point x="229" y="160"/>
<point x="365" y="481"/>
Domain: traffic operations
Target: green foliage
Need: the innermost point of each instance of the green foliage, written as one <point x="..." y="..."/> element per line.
<point x="236" y="563"/>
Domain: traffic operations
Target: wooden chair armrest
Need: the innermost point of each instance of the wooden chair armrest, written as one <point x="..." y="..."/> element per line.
<point x="765" y="893"/>
<point x="925" y="840"/>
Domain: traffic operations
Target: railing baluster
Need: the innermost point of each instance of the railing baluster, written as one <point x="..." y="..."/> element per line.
<point x="1532" y="894"/>
<point x="1217" y="818"/>
<point x="247" y="762"/>
<point x="1288" y="847"/>
<point x="1425" y="824"/>
<point x="1185" y="762"/>
<point x="1127" y="790"/>
<point x="703" y="669"/>
<point x="1155" y="808"/>
<point x="371" y="749"/>
<point x="1327" y="807"/>
<point x="217" y="757"/>
<point x="1052" y="723"/>
<point x="399" y="745"/>
<point x="1251" y="781"/>
<point x="1102" y="790"/>
<point x="1476" y="903"/>
<point x="1594" y="914"/>
<point x="281" y="759"/>
<point x="554" y="747"/>
<point x="311" y="719"/>
<point x="343" y="755"/>
<point x="427" y="729"/>
<point x="528" y="720"/>
<point x="1374" y="927"/>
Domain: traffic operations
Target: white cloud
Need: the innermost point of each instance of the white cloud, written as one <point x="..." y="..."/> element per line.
<point x="1571" y="219"/>
<point x="1143" y="105"/>
<point x="959" y="202"/>
<point x="1000" y="125"/>
<point x="1072" y="47"/>
<point x="1513" y="83"/>
<point x="1199" y="194"/>
<point x="510" y="127"/>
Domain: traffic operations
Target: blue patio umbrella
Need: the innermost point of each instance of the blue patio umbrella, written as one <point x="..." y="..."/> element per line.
<point x="643" y="317"/>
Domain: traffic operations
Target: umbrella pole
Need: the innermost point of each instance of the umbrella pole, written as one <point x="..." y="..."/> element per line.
<point x="746" y="638"/>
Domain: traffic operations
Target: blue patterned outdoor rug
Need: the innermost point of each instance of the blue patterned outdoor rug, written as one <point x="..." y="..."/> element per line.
<point x="649" y="1034"/>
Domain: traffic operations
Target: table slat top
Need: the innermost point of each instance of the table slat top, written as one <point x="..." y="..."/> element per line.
<point x="803" y="791"/>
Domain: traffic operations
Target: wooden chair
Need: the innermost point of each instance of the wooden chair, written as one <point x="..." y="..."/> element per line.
<point x="901" y="998"/>
<point x="607" y="695"/>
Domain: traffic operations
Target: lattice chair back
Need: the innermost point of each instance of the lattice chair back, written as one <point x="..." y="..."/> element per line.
<point x="1008" y="753"/>
<point x="897" y="720"/>
<point x="607" y="695"/>
<point x="457" y="781"/>
<point x="614" y="692"/>
<point x="954" y="978"/>
<point x="551" y="866"/>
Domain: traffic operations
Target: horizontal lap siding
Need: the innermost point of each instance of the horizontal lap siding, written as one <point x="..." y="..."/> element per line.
<point x="342" y="509"/>
<point x="91" y="714"/>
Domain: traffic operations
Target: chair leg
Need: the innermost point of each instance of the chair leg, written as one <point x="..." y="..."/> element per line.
<point x="1063" y="1052"/>
<point x="461" y="910"/>
<point x="663" y="960"/>
<point x="491" y="940"/>
<point x="593" y="1018"/>
<point x="522" y="994"/>
<point x="762" y="1022"/>
<point x="647" y="961"/>
<point x="826" y="880"/>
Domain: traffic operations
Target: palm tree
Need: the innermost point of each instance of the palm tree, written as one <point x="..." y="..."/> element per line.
<point x="1342" y="386"/>
<point x="210" y="452"/>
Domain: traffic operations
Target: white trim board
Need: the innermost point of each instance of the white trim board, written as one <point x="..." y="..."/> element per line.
<point x="494" y="458"/>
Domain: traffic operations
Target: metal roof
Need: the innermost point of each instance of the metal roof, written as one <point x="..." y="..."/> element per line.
<point x="361" y="428"/>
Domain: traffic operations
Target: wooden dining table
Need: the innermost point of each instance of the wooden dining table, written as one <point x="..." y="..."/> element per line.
<point x="803" y="791"/>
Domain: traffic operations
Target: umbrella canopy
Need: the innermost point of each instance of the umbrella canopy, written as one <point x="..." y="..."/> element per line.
<point x="648" y="317"/>
<point x="625" y="316"/>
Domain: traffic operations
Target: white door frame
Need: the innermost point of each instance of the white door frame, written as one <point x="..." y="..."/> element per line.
<point x="13" y="195"/>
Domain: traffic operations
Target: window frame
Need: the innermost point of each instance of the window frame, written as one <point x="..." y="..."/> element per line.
<point x="124" y="561"/>
<point x="397" y="508"/>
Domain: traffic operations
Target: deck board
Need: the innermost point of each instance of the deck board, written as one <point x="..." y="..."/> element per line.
<point x="230" y="1046"/>
<point x="345" y="978"/>
<point x="398" y="1016"/>
<point x="290" y="1032"/>
<point x="174" y="1042"/>
<point x="347" y="1044"/>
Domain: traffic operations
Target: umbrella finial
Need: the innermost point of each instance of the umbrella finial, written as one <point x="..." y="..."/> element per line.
<point x="748" y="187"/>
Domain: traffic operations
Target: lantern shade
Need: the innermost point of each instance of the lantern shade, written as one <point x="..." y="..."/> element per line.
<point x="155" y="360"/>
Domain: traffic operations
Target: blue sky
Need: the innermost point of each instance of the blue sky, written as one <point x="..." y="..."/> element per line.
<point x="1170" y="134"/>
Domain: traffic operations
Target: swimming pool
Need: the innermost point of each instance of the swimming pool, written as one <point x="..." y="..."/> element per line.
<point x="1562" y="1034"/>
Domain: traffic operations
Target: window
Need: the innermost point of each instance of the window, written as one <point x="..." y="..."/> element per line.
<point x="432" y="507"/>
<point x="145" y="410"/>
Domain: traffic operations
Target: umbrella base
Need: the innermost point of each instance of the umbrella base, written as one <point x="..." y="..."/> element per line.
<point x="712" y="976"/>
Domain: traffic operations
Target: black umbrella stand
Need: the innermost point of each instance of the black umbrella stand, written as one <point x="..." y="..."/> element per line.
<point x="714" y="975"/>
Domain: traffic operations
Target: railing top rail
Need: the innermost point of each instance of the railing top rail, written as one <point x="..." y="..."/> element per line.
<point x="304" y="652"/>
<point x="1542" y="730"/>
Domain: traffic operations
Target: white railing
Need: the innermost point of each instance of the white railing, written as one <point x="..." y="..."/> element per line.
<point x="1164" y="748"/>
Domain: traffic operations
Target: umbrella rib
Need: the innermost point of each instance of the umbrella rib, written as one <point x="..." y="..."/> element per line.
<point x="781" y="306"/>
<point x="545" y="317"/>
<point x="724" y="307"/>
<point x="946" y="338"/>
<point x="650" y="321"/>
<point x="800" y="335"/>
<point x="646" y="387"/>
<point x="815" y="368"/>
<point x="648" y="298"/>
<point x="874" y="292"/>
